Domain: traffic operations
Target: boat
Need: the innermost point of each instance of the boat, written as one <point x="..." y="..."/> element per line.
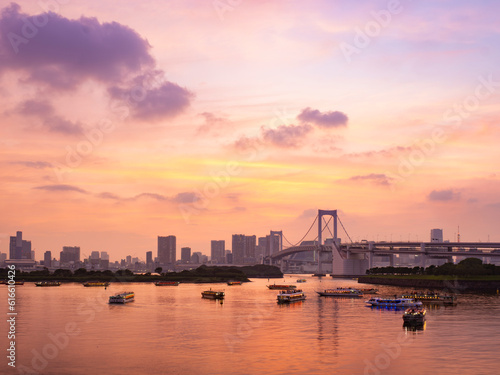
<point x="291" y="295"/>
<point x="234" y="283"/>
<point x="48" y="283"/>
<point x="414" y="315"/>
<point x="122" y="297"/>
<point x="393" y="302"/>
<point x="301" y="280"/>
<point x="281" y="286"/>
<point x="96" y="283"/>
<point x="167" y="283"/>
<point x="17" y="282"/>
<point x="341" y="292"/>
<point x="319" y="274"/>
<point x="432" y="298"/>
<point x="213" y="294"/>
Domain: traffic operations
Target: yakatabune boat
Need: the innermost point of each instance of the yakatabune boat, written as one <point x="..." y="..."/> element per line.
<point x="234" y="283"/>
<point x="291" y="295"/>
<point x="393" y="302"/>
<point x="48" y="283"/>
<point x="431" y="297"/>
<point x="341" y="292"/>
<point x="166" y="283"/>
<point x="414" y="315"/>
<point x="96" y="283"/>
<point x="281" y="286"/>
<point x="122" y="297"/>
<point x="213" y="294"/>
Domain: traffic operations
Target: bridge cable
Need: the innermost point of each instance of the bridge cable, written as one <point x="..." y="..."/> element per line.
<point x="340" y="221"/>
<point x="298" y="243"/>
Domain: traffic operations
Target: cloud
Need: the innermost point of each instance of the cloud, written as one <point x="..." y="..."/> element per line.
<point x="59" y="188"/>
<point x="443" y="195"/>
<point x="376" y="178"/>
<point x="286" y="135"/>
<point x="33" y="164"/>
<point x="184" y="197"/>
<point x="43" y="110"/>
<point x="62" y="52"/>
<point x="332" y="119"/>
<point x="212" y="122"/>
<point x="58" y="53"/>
<point x="309" y="213"/>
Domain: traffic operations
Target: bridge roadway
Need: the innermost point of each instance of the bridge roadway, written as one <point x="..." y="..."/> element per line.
<point x="432" y="249"/>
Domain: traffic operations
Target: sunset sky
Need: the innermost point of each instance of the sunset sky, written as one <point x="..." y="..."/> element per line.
<point x="122" y="121"/>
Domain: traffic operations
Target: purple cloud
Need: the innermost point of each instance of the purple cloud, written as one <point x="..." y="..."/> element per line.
<point x="286" y="135"/>
<point x="62" y="52"/>
<point x="211" y="122"/>
<point x="323" y="120"/>
<point x="59" y="188"/>
<point x="376" y="178"/>
<point x="443" y="195"/>
<point x="33" y="164"/>
<point x="58" y="53"/>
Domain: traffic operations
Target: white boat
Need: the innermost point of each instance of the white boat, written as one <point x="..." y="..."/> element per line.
<point x="393" y="302"/>
<point x="291" y="295"/>
<point x="122" y="297"/>
<point x="341" y="292"/>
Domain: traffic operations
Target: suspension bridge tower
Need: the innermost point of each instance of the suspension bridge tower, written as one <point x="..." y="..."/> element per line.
<point x="321" y="213"/>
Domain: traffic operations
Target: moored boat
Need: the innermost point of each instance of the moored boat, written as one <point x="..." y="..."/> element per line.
<point x="291" y="295"/>
<point x="122" y="297"/>
<point x="341" y="292"/>
<point x="414" y="315"/>
<point x="301" y="280"/>
<point x="234" y="283"/>
<point x="393" y="302"/>
<point x="96" y="283"/>
<point x="17" y="282"/>
<point x="166" y="283"/>
<point x="48" y="283"/>
<point x="213" y="294"/>
<point x="281" y="286"/>
<point x="432" y="298"/>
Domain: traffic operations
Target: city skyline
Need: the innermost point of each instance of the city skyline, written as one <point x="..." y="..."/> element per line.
<point x="116" y="130"/>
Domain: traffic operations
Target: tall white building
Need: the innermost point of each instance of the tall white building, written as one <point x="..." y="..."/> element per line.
<point x="436" y="235"/>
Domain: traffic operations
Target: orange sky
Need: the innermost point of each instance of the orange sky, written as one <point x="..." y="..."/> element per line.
<point x="202" y="120"/>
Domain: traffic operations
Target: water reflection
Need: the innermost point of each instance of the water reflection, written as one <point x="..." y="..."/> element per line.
<point x="414" y="327"/>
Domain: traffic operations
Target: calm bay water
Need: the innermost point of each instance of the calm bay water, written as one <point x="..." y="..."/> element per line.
<point x="172" y="330"/>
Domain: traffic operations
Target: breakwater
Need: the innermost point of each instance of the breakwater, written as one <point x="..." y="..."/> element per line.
<point x="453" y="285"/>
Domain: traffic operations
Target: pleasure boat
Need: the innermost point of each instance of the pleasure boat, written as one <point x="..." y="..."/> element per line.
<point x="432" y="298"/>
<point x="122" y="297"/>
<point x="166" y="283"/>
<point x="393" y="302"/>
<point x="341" y="292"/>
<point x="291" y="295"/>
<point x="281" y="286"/>
<point x="414" y="315"/>
<point x="213" y="294"/>
<point x="48" y="283"/>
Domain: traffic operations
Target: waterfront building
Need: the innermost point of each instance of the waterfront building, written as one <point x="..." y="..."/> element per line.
<point x="70" y="254"/>
<point x="238" y="247"/>
<point x="47" y="259"/>
<point x="167" y="250"/>
<point x="218" y="251"/>
<point x="19" y="248"/>
<point x="185" y="255"/>
<point x="436" y="235"/>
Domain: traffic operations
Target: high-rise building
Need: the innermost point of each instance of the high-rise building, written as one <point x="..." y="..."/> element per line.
<point x="47" y="259"/>
<point x="167" y="250"/>
<point x="238" y="247"/>
<point x="436" y="235"/>
<point x="149" y="260"/>
<point x="104" y="255"/>
<point x="250" y="244"/>
<point x="185" y="255"/>
<point x="129" y="260"/>
<point x="19" y="248"/>
<point x="70" y="254"/>
<point x="218" y="251"/>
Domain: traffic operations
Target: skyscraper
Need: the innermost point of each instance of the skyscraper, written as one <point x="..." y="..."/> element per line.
<point x="185" y="255"/>
<point x="19" y="248"/>
<point x="149" y="260"/>
<point x="238" y="247"/>
<point x="70" y="254"/>
<point x="47" y="259"/>
<point x="218" y="251"/>
<point x="436" y="235"/>
<point x="167" y="250"/>
<point x="250" y="243"/>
